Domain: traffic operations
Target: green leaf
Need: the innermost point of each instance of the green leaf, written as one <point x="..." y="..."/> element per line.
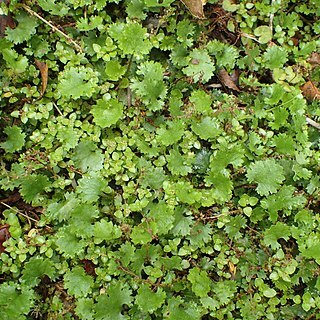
<point x="151" y="88"/>
<point x="230" y="6"/>
<point x="275" y="232"/>
<point x="226" y="155"/>
<point x="264" y="33"/>
<point x="207" y="129"/>
<point x="114" y="70"/>
<point x="311" y="248"/>
<point x="148" y="300"/>
<point x="234" y="225"/>
<point x="32" y="186"/>
<point x="35" y="268"/>
<point x="185" y="32"/>
<point x="186" y="193"/>
<point x="54" y="7"/>
<point x="221" y="185"/>
<point x="267" y="174"/>
<point x="67" y="242"/>
<point x="182" y="224"/>
<point x="87" y="156"/>
<point x="91" y="187"/>
<point x="186" y="311"/>
<point x="200" y="234"/>
<point x="15" y="303"/>
<point x="107" y="113"/>
<point x="170" y="134"/>
<point x="77" y="82"/>
<point x="84" y="308"/>
<point x="284" y="200"/>
<point x="104" y="230"/>
<point x="200" y="67"/>
<point x="26" y="27"/>
<point x="77" y="282"/>
<point x="109" y="306"/>
<point x="269" y="293"/>
<point x="275" y="57"/>
<point x="202" y="161"/>
<point x="178" y="164"/>
<point x="225" y="55"/>
<point x="131" y="38"/>
<point x="201" y="101"/>
<point x="62" y="210"/>
<point x="162" y="215"/>
<point x="201" y="283"/>
<point x="308" y="301"/>
<point x="15" y="140"/>
<point x="86" y="213"/>
<point x="141" y="234"/>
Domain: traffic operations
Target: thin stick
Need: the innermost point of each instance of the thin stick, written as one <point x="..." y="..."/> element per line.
<point x="57" y="108"/>
<point x="19" y="212"/>
<point x="77" y="46"/>
<point x="313" y="123"/>
<point x="271" y="17"/>
<point x="249" y="36"/>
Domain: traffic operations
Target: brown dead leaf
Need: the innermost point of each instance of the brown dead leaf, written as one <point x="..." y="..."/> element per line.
<point x="4" y="236"/>
<point x="43" y="67"/>
<point x="6" y="20"/>
<point x="314" y="59"/>
<point x="226" y="80"/>
<point x="195" y="7"/>
<point x="310" y="91"/>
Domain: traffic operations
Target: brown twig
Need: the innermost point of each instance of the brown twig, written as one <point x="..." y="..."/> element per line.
<point x="33" y="13"/>
<point x="19" y="212"/>
<point x="313" y="123"/>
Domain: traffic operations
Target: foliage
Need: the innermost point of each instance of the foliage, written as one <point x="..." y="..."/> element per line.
<point x="159" y="166"/>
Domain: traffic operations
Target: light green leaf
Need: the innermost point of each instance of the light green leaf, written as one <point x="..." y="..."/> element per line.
<point x="275" y="57"/>
<point x="87" y="156"/>
<point x="68" y="244"/>
<point x="109" y="306"/>
<point x="15" y="140"/>
<point x="264" y="33"/>
<point x="275" y="232"/>
<point x="107" y="113"/>
<point x="201" y="283"/>
<point x="26" y="27"/>
<point x="200" y="67"/>
<point x="15" y="303"/>
<point x="148" y="300"/>
<point x="84" y="308"/>
<point x="35" y="268"/>
<point x="76" y="82"/>
<point x="267" y="174"/>
<point x="207" y="129"/>
<point x="33" y="185"/>
<point x="91" y="186"/>
<point x="178" y="164"/>
<point x="54" y="7"/>
<point x="162" y="215"/>
<point x="77" y="282"/>
<point x="171" y="133"/>
<point x="114" y="70"/>
<point x="201" y="101"/>
<point x="151" y="88"/>
<point x="141" y="234"/>
<point x="105" y="230"/>
<point x="269" y="293"/>
<point x="131" y="38"/>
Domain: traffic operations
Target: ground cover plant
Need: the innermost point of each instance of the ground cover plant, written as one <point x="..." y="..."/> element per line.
<point x="159" y="159"/>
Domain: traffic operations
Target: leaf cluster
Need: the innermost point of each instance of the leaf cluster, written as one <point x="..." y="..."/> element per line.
<point x="141" y="182"/>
